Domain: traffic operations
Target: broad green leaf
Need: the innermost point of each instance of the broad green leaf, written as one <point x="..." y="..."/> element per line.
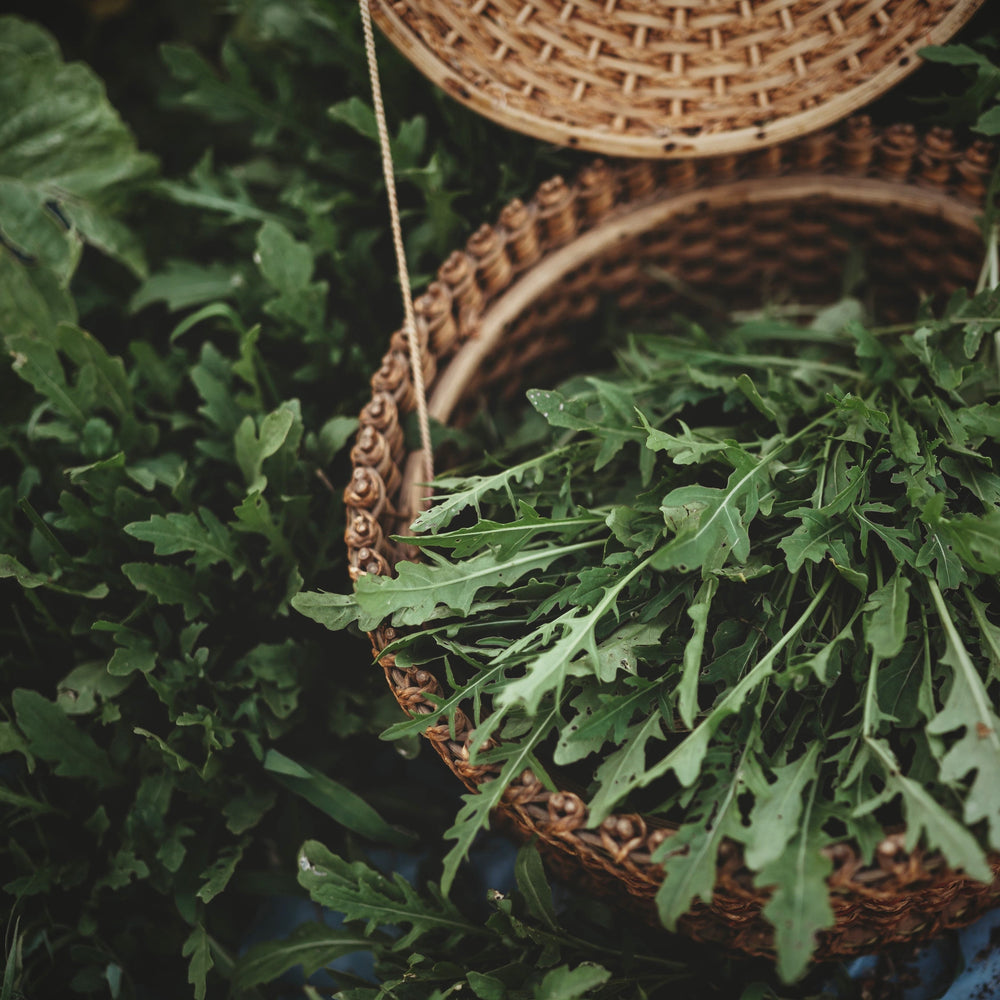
<point x="725" y="514"/>
<point x="566" y="983"/>
<point x="977" y="540"/>
<point x="886" y="616"/>
<point x="312" y="946"/>
<point x="184" y="283"/>
<point x="65" y="157"/>
<point x="486" y="987"/>
<point x="55" y="738"/>
<point x="332" y="798"/>
<point x="534" y="886"/>
<point x="168" y="584"/>
<point x="284" y="261"/>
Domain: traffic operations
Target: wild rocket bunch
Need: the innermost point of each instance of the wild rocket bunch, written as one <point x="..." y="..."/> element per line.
<point x="750" y="585"/>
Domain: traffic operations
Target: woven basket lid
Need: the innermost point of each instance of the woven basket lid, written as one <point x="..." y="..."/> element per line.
<point x="514" y="305"/>
<point x="674" y="78"/>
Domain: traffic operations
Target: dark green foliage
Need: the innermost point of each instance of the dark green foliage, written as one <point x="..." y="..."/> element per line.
<point x="170" y="433"/>
<point x="194" y="290"/>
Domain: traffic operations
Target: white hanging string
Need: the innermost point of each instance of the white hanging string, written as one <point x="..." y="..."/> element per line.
<point x="410" y="320"/>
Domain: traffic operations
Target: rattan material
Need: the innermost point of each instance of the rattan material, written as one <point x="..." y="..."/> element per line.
<point x="675" y="78"/>
<point x="514" y="302"/>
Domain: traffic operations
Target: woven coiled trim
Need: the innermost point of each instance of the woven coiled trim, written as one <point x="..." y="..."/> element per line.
<point x="673" y="79"/>
<point x="509" y="296"/>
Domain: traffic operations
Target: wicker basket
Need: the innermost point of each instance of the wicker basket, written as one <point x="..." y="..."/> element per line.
<point x="512" y="302"/>
<point x="677" y="78"/>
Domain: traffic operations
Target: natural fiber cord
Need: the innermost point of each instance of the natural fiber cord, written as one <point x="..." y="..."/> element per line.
<point x="410" y="319"/>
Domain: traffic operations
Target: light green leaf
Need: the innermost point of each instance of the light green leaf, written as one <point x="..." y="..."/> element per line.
<point x="565" y="983"/>
<point x="774" y="820"/>
<point x="284" y="261"/>
<point x="198" y="949"/>
<point x="799" y="906"/>
<point x="969" y="708"/>
<point x="687" y="689"/>
<point x="334" y="611"/>
<point x="183" y="283"/>
<point x="253" y="446"/>
<point x="217" y="875"/>
<point x="926" y="816"/>
<point x="886" y="616"/>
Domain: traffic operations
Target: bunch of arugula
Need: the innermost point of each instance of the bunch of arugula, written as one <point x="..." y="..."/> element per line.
<point x="745" y="588"/>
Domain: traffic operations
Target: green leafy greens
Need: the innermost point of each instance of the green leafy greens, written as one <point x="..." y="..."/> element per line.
<point x="748" y="589"/>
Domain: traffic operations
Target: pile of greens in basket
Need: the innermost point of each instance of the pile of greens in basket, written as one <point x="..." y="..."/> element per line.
<point x="749" y="586"/>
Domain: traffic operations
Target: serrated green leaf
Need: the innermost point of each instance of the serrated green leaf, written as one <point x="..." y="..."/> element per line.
<point x="361" y="893"/>
<point x="198" y="949"/>
<point x="774" y="821"/>
<point x="970" y="709"/>
<point x="926" y="816"/>
<point x="566" y="983"/>
<point x="253" y="445"/>
<point x="202" y="534"/>
<point x="799" y="906"/>
<point x="411" y="596"/>
<point x="217" y="875"/>
<point x="55" y="738"/>
<point x="886" y="616"/>
<point x="168" y="584"/>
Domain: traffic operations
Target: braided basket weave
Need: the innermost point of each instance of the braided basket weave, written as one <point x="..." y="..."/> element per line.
<point x="510" y="303"/>
<point x="672" y="78"/>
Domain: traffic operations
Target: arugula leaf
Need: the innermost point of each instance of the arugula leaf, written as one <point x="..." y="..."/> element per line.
<point x="969" y="707"/>
<point x="361" y="894"/>
<point x="65" y="158"/>
<point x="52" y="736"/>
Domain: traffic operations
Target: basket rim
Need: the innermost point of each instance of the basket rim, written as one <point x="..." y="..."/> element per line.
<point x="894" y="168"/>
<point x="471" y="77"/>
